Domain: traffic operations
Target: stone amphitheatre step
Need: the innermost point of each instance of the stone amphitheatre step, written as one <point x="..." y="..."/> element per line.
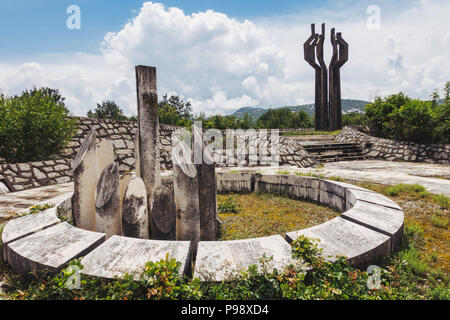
<point x="334" y="152"/>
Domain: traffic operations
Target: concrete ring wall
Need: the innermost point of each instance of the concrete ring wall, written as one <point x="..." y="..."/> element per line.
<point x="370" y="227"/>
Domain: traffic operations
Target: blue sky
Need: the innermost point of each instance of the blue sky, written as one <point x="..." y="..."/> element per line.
<point x="237" y="54"/>
<point x="33" y="27"/>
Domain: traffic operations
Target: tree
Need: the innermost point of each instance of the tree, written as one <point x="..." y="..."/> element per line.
<point x="399" y="117"/>
<point x="34" y="126"/>
<point x="284" y="118"/>
<point x="183" y="109"/>
<point x="107" y="110"/>
<point x="354" y="119"/>
<point x="174" y="111"/>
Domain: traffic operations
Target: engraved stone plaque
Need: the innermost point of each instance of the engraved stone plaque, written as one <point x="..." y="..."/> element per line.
<point x="121" y="255"/>
<point x="222" y="260"/>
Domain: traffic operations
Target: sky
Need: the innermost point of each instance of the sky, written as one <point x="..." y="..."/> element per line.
<point x="220" y="55"/>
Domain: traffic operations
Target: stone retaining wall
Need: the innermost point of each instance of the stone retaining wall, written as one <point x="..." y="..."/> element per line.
<point x="385" y="149"/>
<point x="24" y="176"/>
<point x="122" y="133"/>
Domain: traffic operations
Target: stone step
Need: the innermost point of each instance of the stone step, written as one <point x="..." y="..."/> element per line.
<point x="340" y="159"/>
<point x="336" y="152"/>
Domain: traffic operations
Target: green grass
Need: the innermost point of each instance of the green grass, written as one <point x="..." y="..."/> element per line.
<point x="443" y="200"/>
<point x="398" y="188"/>
<point x="439" y="222"/>
<point x="318" y="176"/>
<point x="256" y="215"/>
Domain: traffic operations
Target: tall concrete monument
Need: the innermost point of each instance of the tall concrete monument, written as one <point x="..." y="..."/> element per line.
<point x="328" y="108"/>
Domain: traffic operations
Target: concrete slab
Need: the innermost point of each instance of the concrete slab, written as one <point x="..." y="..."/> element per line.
<point x="332" y="200"/>
<point x="51" y="248"/>
<point x="352" y="196"/>
<point x="340" y="237"/>
<point x="434" y="177"/>
<point x="15" y="203"/>
<point x="222" y="260"/>
<point x="239" y="182"/>
<point x="381" y="219"/>
<point x="24" y="226"/>
<point x="120" y="255"/>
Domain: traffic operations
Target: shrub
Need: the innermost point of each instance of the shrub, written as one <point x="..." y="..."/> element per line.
<point x="229" y="206"/>
<point x="443" y="201"/>
<point x="354" y="119"/>
<point x="399" y="117"/>
<point x="108" y="110"/>
<point x="34" y="126"/>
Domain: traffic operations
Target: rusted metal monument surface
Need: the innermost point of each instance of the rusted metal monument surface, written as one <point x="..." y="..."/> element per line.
<point x="328" y="108"/>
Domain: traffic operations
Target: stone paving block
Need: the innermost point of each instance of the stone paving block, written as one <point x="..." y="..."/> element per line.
<point x="24" y="226"/>
<point x="120" y="255"/>
<point x="381" y="219"/>
<point x="51" y="248"/>
<point x="222" y="260"/>
<point x="272" y="183"/>
<point x="240" y="182"/>
<point x="333" y="187"/>
<point x="332" y="200"/>
<point x="340" y="237"/>
<point x="354" y="195"/>
<point x="304" y="187"/>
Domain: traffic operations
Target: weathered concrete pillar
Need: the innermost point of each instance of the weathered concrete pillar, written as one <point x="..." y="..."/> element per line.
<point x="107" y="202"/>
<point x="163" y="224"/>
<point x="206" y="172"/>
<point x="85" y="183"/>
<point x="147" y="96"/>
<point x="134" y="210"/>
<point x="148" y="127"/>
<point x="105" y="154"/>
<point x="185" y="183"/>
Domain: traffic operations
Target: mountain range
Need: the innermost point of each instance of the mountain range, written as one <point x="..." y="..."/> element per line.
<point x="348" y="105"/>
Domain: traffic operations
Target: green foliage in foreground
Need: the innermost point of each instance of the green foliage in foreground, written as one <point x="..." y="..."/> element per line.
<point x="402" y="277"/>
<point x="34" y="126"/>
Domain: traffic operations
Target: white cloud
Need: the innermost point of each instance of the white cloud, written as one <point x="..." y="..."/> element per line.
<point x="220" y="64"/>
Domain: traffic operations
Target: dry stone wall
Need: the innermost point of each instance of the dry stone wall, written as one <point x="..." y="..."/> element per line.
<point x="24" y="176"/>
<point x="385" y="149"/>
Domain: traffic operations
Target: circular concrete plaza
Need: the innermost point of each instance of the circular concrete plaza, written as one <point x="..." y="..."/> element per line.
<point x="370" y="226"/>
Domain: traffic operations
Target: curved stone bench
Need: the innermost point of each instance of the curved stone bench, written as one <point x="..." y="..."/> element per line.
<point x="371" y="228"/>
<point x="121" y="255"/>
<point x="223" y="260"/>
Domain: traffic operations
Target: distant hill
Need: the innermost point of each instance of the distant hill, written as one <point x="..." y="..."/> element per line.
<point x="348" y="105"/>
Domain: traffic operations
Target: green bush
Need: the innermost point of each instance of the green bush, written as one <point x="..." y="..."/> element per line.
<point x="34" y="126"/>
<point x="399" y="117"/>
<point x="229" y="206"/>
<point x="108" y="110"/>
<point x="354" y="119"/>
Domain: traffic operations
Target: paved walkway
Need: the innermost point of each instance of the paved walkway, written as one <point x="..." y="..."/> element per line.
<point x="434" y="177"/>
